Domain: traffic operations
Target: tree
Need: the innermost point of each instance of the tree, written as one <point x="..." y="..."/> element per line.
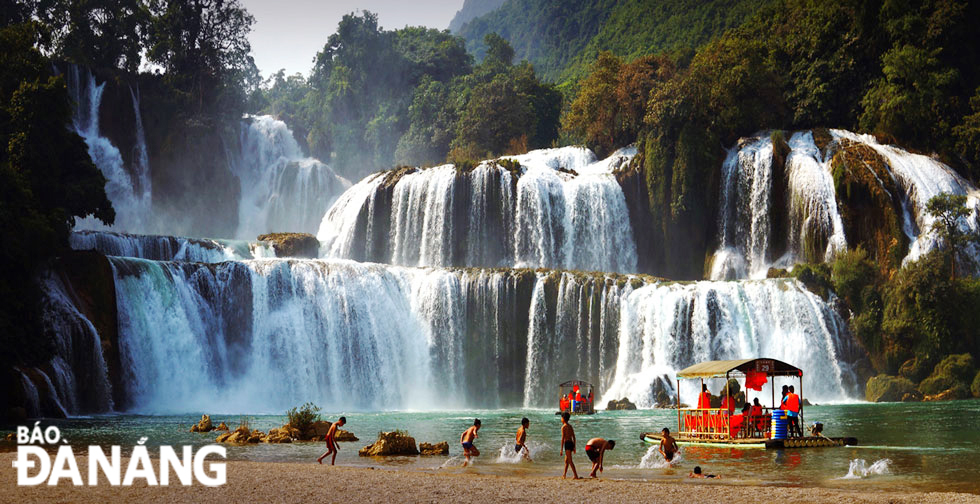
<point x="948" y="209"/>
<point x="99" y="34"/>
<point x="46" y="180"/>
<point x="203" y="46"/>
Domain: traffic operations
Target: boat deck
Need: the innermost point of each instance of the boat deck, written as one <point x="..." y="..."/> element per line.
<point x="771" y="444"/>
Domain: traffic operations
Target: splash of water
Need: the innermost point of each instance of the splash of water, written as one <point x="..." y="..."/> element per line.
<point x="860" y="469"/>
<point x="507" y="454"/>
<point x="652" y="459"/>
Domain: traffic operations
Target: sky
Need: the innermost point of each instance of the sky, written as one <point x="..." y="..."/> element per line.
<point x="288" y="33"/>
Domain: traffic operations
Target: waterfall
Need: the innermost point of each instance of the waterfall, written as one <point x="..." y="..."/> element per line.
<point x="921" y="178"/>
<point x="750" y="208"/>
<point x="550" y="208"/>
<point x="168" y="248"/>
<point x="265" y="335"/>
<point x="81" y="382"/>
<point x="281" y="189"/>
<point x="127" y="188"/>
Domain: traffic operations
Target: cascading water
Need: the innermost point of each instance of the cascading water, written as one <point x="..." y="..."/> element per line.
<point x="265" y="335"/>
<point x="76" y="376"/>
<point x="282" y="190"/>
<point x="127" y="189"/>
<point x="560" y="209"/>
<point x="748" y="243"/>
<point x="921" y="178"/>
<point x="168" y="248"/>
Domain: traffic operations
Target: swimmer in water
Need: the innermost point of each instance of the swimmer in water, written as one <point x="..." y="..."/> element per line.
<point x="698" y="474"/>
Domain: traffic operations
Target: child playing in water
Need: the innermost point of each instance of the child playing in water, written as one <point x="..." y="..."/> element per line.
<point x="698" y="474"/>
<point x="568" y="444"/>
<point x="522" y="438"/>
<point x="668" y="447"/>
<point x="331" y="441"/>
<point x="596" y="450"/>
<point x="467" y="438"/>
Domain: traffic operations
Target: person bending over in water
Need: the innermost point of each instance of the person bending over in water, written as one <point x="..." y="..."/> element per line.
<point x="467" y="441"/>
<point x="698" y="474"/>
<point x="668" y="446"/>
<point x="596" y="450"/>
<point x="568" y="444"/>
<point x="331" y="441"/>
<point x="522" y="438"/>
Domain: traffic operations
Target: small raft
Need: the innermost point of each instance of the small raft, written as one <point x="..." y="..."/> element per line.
<point x="749" y="443"/>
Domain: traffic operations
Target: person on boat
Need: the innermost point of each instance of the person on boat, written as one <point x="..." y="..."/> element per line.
<point x="591" y="400"/>
<point x="596" y="450"/>
<point x="704" y="400"/>
<point x="467" y="438"/>
<point x="755" y="415"/>
<point x="522" y="438"/>
<point x="563" y="404"/>
<point x="791" y="404"/>
<point x="668" y="446"/>
<point x="698" y="474"/>
<point x="738" y="421"/>
<point x="331" y="441"/>
<point x="568" y="445"/>
<point x="728" y="403"/>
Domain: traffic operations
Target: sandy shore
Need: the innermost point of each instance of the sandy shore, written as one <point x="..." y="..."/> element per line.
<point x="293" y="482"/>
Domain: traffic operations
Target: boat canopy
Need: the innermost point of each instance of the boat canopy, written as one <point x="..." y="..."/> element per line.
<point x="723" y="368"/>
<point x="572" y="383"/>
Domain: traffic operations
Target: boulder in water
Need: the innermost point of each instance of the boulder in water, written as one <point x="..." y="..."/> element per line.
<point x="913" y="396"/>
<point x="390" y="443"/>
<point x="204" y="425"/>
<point x="343" y="435"/>
<point x="240" y="435"/>
<point x="434" y="449"/>
<point x="293" y="244"/>
<point x="885" y="388"/>
<point x="278" y="435"/>
<point x="222" y="427"/>
<point x="622" y="404"/>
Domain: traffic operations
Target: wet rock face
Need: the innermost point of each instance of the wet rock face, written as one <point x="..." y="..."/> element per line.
<point x="391" y="443"/>
<point x="302" y="245"/>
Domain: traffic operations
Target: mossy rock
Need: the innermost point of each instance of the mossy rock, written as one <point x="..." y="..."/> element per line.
<point x="958" y="367"/>
<point x="914" y="369"/>
<point x="936" y="384"/>
<point x="975" y="387"/>
<point x="293" y="244"/>
<point x="956" y="392"/>
<point x="885" y="388"/>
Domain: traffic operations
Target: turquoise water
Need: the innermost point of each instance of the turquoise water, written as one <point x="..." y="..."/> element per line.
<point x="929" y="446"/>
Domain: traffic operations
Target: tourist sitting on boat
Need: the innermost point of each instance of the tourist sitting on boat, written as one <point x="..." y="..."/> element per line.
<point x="737" y="421"/>
<point x="791" y="405"/>
<point x="816" y="430"/>
<point x="563" y="404"/>
<point x="728" y="403"/>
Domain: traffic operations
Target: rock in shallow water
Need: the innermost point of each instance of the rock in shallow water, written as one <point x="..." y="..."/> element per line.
<point x="204" y="425"/>
<point x="434" y="449"/>
<point x="390" y="443"/>
<point x="293" y="244"/>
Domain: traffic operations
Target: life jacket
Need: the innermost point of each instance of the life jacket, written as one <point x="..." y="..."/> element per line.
<point x="755" y="411"/>
<point x="792" y="402"/>
<point x="729" y="404"/>
<point x="578" y="397"/>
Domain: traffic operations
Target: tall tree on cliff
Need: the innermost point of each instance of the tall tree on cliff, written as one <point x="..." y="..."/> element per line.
<point x="203" y="46"/>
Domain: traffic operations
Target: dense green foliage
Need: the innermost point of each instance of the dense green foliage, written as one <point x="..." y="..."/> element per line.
<point x="378" y="98"/>
<point x="303" y="417"/>
<point x="563" y="38"/>
<point x="46" y="180"/>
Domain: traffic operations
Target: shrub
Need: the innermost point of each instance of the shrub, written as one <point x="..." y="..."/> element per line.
<point x="884" y="388"/>
<point x="304" y="417"/>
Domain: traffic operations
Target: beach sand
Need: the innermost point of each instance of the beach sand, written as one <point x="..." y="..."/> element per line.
<point x="294" y="482"/>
